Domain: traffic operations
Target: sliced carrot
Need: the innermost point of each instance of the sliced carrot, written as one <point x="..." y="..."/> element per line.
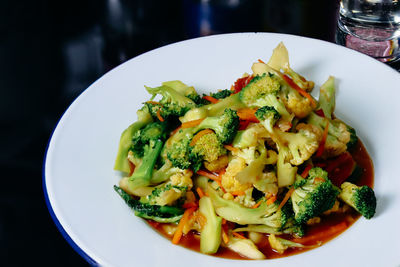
<point x="257" y="204"/>
<point x="200" y="192"/>
<point x="243" y="125"/>
<point x="190" y="205"/>
<point x="271" y="200"/>
<point x="159" y="117"/>
<point x="241" y="83"/>
<point x="304" y="174"/>
<point x="154" y="102"/>
<point x="318" y="179"/>
<point x="220" y="185"/>
<point x="223" y="221"/>
<point x="199" y="135"/>
<point x="182" y="223"/>
<point x="298" y="89"/>
<point x="321" y="147"/>
<point x="286" y="198"/>
<point x="318" y="236"/>
<point x="259" y="60"/>
<point x="209" y="175"/>
<point x="190" y="124"/>
<point x="231" y="148"/>
<point x="176" y="130"/>
<point x="238" y="193"/>
<point x="225" y="237"/>
<point x="247" y="114"/>
<point x="238" y="235"/>
<point x="211" y="99"/>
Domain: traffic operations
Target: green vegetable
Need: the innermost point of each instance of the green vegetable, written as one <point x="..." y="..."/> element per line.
<point x="210" y="237"/>
<point x="245" y="247"/>
<point x="265" y="214"/>
<point x="121" y="161"/>
<point x="267" y="116"/>
<point x="327" y="97"/>
<point x="313" y="195"/>
<point x="361" y="198"/>
<point x="162" y="214"/>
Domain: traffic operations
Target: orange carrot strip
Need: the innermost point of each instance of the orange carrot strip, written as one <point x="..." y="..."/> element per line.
<point x="257" y="204"/>
<point x="286" y="198"/>
<point x="238" y="235"/>
<point x="182" y="223"/>
<point x="190" y="124"/>
<point x="190" y="205"/>
<point x="318" y="236"/>
<point x="304" y="174"/>
<point x="176" y="130"/>
<point x="159" y="117"/>
<point x="231" y="148"/>
<point x="321" y="147"/>
<point x="298" y="89"/>
<point x="199" y="135"/>
<point x="220" y="185"/>
<point x="259" y="60"/>
<point x="318" y="179"/>
<point x="154" y="102"/>
<point x="211" y="99"/>
<point x="271" y="200"/>
<point x="247" y="114"/>
<point x="223" y="221"/>
<point x="200" y="192"/>
<point x="209" y="175"/>
<point x="238" y="193"/>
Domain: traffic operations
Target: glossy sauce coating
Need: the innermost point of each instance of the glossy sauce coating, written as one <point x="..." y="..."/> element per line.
<point x="343" y="220"/>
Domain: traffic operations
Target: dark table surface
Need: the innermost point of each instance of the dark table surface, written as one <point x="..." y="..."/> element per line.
<point x="50" y="51"/>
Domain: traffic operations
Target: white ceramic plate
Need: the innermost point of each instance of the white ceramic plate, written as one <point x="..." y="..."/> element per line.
<point x="78" y="172"/>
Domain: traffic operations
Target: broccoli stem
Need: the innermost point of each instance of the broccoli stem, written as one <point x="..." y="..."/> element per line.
<point x="121" y="161"/>
<point x="142" y="175"/>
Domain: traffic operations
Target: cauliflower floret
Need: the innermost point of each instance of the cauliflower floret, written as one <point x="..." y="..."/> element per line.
<point x="174" y="189"/>
<point x="217" y="164"/>
<point x="302" y="144"/>
<point x="228" y="179"/>
<point x="182" y="178"/>
<point x="247" y="154"/>
<point x="297" y="104"/>
<point x="267" y="183"/>
<point x="334" y="146"/>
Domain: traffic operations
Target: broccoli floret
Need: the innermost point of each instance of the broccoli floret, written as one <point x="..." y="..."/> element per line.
<point x="165" y="194"/>
<point x="207" y="148"/>
<point x="184" y="154"/>
<point x="125" y="143"/>
<point x="152" y="131"/>
<point x="178" y="149"/>
<point x="314" y="196"/>
<point x="265" y="214"/>
<point x="361" y="198"/>
<point x="338" y="134"/>
<point x="353" y="138"/>
<point x="172" y="102"/>
<point x="263" y="91"/>
<point x="224" y="126"/>
<point x="268" y="116"/>
<point x="221" y="94"/>
<point x="163" y="214"/>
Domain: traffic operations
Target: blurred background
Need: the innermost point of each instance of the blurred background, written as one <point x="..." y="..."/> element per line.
<point x="50" y="51"/>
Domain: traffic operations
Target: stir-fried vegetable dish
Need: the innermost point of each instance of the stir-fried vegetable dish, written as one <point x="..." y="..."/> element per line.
<point x="244" y="169"/>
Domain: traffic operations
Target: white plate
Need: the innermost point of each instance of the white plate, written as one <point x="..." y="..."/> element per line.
<point x="78" y="172"/>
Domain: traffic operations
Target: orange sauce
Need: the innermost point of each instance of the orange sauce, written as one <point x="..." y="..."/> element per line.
<point x="360" y="155"/>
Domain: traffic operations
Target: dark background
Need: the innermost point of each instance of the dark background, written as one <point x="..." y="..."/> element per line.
<point x="50" y="51"/>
